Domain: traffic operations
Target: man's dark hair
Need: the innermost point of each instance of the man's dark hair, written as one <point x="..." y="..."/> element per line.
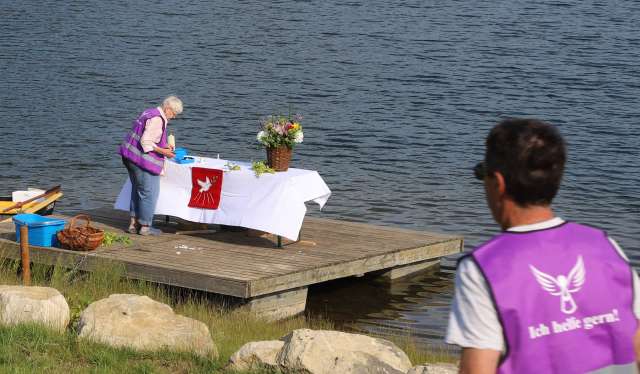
<point x="530" y="154"/>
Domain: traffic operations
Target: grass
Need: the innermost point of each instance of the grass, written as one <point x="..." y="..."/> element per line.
<point x="419" y="354"/>
<point x="35" y="349"/>
<point x="32" y="348"/>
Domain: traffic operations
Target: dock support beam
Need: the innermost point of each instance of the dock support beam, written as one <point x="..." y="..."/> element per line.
<point x="405" y="270"/>
<point x="279" y="305"/>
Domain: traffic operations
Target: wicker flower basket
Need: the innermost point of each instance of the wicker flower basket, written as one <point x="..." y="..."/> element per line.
<point x="278" y="158"/>
<point x="80" y="238"/>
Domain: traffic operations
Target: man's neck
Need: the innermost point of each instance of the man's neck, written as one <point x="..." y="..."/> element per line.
<point x="517" y="215"/>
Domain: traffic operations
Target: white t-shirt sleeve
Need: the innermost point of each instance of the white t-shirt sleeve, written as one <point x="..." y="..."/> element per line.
<point x="473" y="320"/>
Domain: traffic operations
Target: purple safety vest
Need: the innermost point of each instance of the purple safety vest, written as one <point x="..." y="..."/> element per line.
<point x="564" y="297"/>
<point x="131" y="148"/>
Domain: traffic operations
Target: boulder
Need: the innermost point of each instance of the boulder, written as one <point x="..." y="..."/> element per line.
<point x="439" y="368"/>
<point x="141" y="323"/>
<point x="256" y="354"/>
<point x="42" y="305"/>
<point x="320" y="352"/>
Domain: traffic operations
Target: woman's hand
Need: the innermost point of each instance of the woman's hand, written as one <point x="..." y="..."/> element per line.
<point x="169" y="153"/>
<point x="166" y="152"/>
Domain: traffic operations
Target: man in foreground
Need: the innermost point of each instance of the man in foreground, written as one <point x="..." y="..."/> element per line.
<point x="545" y="295"/>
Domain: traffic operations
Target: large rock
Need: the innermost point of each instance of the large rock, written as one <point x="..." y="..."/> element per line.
<point x="41" y="305"/>
<point x="439" y="368"/>
<point x="320" y="352"/>
<point x="141" y="323"/>
<point x="256" y="354"/>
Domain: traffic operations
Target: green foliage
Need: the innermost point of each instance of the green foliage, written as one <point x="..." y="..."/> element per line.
<point x="260" y="167"/>
<point x="113" y="238"/>
<point x="418" y="354"/>
<point x="36" y="349"/>
<point x="231" y="166"/>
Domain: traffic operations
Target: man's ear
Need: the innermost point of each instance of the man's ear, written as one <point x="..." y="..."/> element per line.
<point x="499" y="178"/>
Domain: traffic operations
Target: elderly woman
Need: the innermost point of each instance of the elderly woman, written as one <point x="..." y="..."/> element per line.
<point x="143" y="152"/>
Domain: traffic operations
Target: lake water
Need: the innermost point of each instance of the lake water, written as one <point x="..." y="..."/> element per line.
<point x="397" y="97"/>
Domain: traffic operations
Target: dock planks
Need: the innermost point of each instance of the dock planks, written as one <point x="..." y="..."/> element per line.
<point x="236" y="264"/>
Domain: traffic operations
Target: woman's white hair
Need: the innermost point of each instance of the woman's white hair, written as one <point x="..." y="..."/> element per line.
<point x="173" y="103"/>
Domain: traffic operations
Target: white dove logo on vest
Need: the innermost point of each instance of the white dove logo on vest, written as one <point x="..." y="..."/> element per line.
<point x="563" y="286"/>
<point x="204" y="185"/>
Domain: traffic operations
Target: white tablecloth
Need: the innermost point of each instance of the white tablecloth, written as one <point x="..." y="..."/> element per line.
<point x="274" y="203"/>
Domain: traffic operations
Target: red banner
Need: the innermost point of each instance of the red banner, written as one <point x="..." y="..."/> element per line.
<point x="206" y="185"/>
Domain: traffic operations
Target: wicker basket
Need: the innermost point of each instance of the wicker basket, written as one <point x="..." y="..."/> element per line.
<point x="278" y="158"/>
<point x="80" y="238"/>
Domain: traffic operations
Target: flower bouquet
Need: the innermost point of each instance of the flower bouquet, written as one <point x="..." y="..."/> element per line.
<point x="279" y="134"/>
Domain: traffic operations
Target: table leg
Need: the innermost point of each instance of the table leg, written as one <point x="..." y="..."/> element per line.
<point x="279" y="240"/>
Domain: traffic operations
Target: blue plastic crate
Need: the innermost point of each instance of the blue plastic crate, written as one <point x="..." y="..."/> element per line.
<point x="42" y="230"/>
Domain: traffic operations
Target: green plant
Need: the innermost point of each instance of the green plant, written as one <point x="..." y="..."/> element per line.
<point x="231" y="166"/>
<point x="113" y="238"/>
<point x="260" y="167"/>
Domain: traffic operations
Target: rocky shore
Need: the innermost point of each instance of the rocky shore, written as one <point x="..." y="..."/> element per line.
<point x="325" y="352"/>
<point x="140" y="323"/>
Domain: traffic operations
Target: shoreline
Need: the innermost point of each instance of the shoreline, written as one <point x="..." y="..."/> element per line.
<point x="230" y="329"/>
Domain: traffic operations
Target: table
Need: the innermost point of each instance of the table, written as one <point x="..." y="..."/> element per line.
<point x="274" y="203"/>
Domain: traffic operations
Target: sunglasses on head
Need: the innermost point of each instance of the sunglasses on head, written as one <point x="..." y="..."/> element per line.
<point x="480" y="171"/>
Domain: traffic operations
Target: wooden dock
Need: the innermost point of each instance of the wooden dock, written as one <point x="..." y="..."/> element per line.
<point x="273" y="281"/>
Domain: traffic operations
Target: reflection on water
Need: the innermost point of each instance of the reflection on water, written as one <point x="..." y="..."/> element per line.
<point x="416" y="305"/>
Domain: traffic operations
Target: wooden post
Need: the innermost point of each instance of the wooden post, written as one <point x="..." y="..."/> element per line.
<point x="24" y="254"/>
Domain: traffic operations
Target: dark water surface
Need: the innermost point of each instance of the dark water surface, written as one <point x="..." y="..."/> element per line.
<point x="397" y="97"/>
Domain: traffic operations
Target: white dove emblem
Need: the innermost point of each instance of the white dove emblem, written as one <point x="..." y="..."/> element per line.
<point x="563" y="286"/>
<point x="204" y="185"/>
